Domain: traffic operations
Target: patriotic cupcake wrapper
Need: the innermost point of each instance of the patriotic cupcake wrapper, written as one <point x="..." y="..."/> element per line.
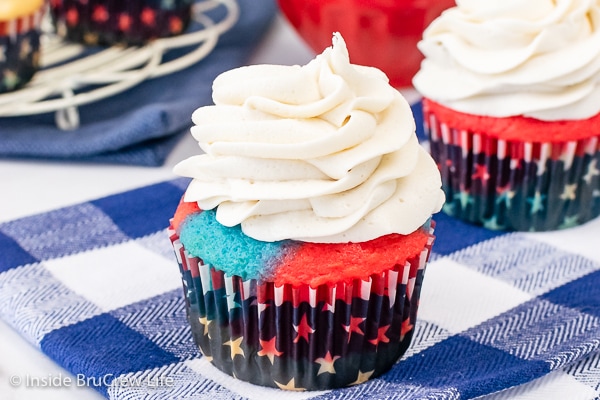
<point x="302" y="338"/>
<point x="108" y="22"/>
<point x="19" y="50"/>
<point x="516" y="185"/>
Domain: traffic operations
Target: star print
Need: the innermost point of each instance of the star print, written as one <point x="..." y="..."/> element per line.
<point x="100" y="14"/>
<point x="148" y="16"/>
<point x="269" y="350"/>
<point x="381" y="337"/>
<point x="326" y="364"/>
<point x="505" y="195"/>
<point x="124" y="22"/>
<point x="329" y="306"/>
<point x="236" y="347"/>
<point x="168" y="4"/>
<point x="405" y="328"/>
<point x="492" y="224"/>
<point x="303" y="329"/>
<point x="175" y="25"/>
<point x="90" y="38"/>
<point x="72" y="16"/>
<point x="592" y="171"/>
<point x="362" y="377"/>
<point x="569" y="192"/>
<point x="537" y="202"/>
<point x="291" y="385"/>
<point x="354" y="326"/>
<point x="464" y="198"/>
<point x="569" y="222"/>
<point x="205" y="323"/>
<point x="11" y="79"/>
<point x="481" y="173"/>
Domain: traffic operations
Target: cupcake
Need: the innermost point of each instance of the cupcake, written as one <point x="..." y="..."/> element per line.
<point x="108" y="22"/>
<point x="19" y="42"/>
<point x="303" y="236"/>
<point x="511" y="102"/>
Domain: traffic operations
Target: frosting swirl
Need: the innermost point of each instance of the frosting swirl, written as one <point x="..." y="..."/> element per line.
<point x="502" y="58"/>
<point x="326" y="152"/>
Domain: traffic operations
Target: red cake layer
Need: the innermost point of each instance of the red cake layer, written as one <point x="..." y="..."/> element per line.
<point x="316" y="263"/>
<point x="517" y="128"/>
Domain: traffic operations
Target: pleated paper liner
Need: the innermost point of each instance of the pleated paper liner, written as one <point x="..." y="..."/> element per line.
<point x="302" y="338"/>
<point x="516" y="185"/>
<point x="108" y="22"/>
<point x="19" y="50"/>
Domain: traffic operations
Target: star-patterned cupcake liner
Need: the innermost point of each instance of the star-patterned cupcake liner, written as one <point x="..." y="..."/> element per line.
<point x="516" y="185"/>
<point x="109" y="22"/>
<point x="302" y="338"/>
<point x="19" y="50"/>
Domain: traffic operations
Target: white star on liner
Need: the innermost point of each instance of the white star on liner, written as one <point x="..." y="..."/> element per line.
<point x="235" y="347"/>
<point x="592" y="171"/>
<point x="291" y="385"/>
<point x="569" y="192"/>
<point x="326" y="364"/>
<point x="362" y="377"/>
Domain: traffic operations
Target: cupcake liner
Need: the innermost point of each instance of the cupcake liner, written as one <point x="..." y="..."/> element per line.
<point x="302" y="338"/>
<point x="19" y="50"/>
<point x="108" y="22"/>
<point x="516" y="185"/>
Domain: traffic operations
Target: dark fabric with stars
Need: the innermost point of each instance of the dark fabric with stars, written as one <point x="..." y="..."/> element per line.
<point x="301" y="338"/>
<point x="531" y="187"/>
<point x="107" y="22"/>
<point x="19" y="59"/>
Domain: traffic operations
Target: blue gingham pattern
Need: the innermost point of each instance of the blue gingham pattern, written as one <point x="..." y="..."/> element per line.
<point x="96" y="287"/>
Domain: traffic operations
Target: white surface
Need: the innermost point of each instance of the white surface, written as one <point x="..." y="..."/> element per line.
<point x="30" y="187"/>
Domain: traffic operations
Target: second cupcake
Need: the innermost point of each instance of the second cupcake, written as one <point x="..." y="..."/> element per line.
<point x="512" y="106"/>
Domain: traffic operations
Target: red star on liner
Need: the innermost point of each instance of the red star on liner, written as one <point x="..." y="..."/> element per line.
<point x="124" y="22"/>
<point x="381" y="337"/>
<point x="72" y="16"/>
<point x="354" y="326"/>
<point x="405" y="328"/>
<point x="303" y="329"/>
<point x="175" y="25"/>
<point x="100" y="14"/>
<point x="481" y="173"/>
<point x="148" y="16"/>
<point x="269" y="350"/>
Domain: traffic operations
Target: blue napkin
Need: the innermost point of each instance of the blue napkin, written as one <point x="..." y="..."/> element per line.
<point x="142" y="125"/>
<point x="96" y="287"/>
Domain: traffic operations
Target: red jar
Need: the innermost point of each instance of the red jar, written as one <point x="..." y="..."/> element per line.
<point x="378" y="33"/>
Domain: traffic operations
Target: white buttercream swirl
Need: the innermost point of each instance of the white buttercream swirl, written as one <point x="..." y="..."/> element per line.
<point x="325" y="152"/>
<point x="502" y="58"/>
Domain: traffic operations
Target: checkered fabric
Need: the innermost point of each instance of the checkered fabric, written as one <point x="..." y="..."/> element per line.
<point x="96" y="287"/>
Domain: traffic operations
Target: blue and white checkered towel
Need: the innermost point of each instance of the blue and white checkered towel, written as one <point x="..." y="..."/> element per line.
<point x="96" y="287"/>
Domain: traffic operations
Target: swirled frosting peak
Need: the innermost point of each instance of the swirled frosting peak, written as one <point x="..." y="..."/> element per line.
<point x="325" y="152"/>
<point x="502" y="58"/>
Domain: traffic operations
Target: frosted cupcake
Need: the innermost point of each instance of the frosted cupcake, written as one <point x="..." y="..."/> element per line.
<point x="20" y="22"/>
<point x="109" y="22"/>
<point x="304" y="234"/>
<point x="511" y="104"/>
